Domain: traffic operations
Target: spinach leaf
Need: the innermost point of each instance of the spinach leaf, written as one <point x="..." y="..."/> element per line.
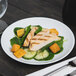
<point x="60" y="42"/>
<point x="20" y="41"/>
<point x="15" y="30"/>
<point x="14" y="40"/>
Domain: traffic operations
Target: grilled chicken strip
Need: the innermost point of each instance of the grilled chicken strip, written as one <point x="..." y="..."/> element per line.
<point x="30" y="36"/>
<point x="41" y="39"/>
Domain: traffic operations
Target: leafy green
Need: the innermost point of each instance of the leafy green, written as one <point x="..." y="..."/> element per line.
<point x="15" y="30"/>
<point x="14" y="40"/>
<point x="20" y="41"/>
<point x="38" y="30"/>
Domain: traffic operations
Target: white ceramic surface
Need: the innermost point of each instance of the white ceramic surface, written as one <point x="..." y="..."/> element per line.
<point x="46" y="23"/>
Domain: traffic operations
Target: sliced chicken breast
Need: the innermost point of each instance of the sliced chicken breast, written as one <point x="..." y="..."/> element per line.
<point x="30" y="36"/>
<point x="41" y="39"/>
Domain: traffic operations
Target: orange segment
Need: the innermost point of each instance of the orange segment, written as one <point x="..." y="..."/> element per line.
<point x="15" y="47"/>
<point x="54" y="31"/>
<point x="19" y="53"/>
<point x="20" y="32"/>
<point x="54" y="48"/>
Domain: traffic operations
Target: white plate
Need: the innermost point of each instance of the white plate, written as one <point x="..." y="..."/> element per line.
<point x="46" y="23"/>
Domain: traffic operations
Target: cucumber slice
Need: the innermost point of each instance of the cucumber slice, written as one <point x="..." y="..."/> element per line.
<point x="50" y="57"/>
<point x="42" y="55"/>
<point x="29" y="54"/>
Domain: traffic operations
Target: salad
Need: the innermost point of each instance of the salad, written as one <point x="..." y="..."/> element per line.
<point x="36" y="42"/>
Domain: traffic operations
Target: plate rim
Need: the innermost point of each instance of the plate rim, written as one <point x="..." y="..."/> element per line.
<point x="47" y="62"/>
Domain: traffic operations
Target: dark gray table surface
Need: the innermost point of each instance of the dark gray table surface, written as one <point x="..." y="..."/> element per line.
<point x="19" y="9"/>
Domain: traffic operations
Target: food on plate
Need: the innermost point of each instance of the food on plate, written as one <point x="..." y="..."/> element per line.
<point x="36" y="42"/>
<point x="29" y="54"/>
<point x="54" y="48"/>
<point x="15" y="47"/>
<point x="54" y="31"/>
<point x="19" y="53"/>
<point x="42" y="39"/>
<point x="20" y="32"/>
<point x="29" y="36"/>
<point x="42" y="55"/>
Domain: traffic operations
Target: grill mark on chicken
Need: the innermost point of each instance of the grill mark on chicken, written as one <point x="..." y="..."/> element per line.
<point x="47" y="36"/>
<point x="38" y="39"/>
<point x="35" y="43"/>
<point x="39" y="35"/>
<point x="42" y="39"/>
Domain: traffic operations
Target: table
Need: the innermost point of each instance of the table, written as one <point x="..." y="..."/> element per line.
<point x="19" y="9"/>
